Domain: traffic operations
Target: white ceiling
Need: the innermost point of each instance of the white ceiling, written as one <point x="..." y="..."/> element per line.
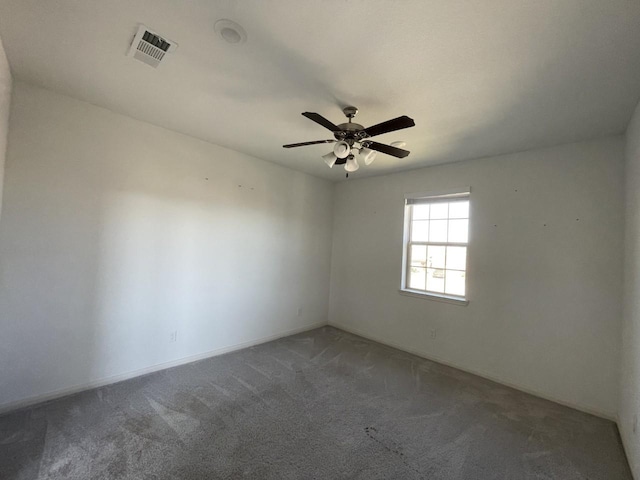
<point x="479" y="77"/>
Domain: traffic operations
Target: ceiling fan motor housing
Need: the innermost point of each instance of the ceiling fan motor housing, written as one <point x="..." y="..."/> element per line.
<point x="350" y="132"/>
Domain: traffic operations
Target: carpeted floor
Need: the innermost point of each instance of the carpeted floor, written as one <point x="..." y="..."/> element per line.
<point x="319" y="405"/>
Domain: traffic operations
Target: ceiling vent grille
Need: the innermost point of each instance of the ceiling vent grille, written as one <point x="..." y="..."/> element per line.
<point x="149" y="47"/>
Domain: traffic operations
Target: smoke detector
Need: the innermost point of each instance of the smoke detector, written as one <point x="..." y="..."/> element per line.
<point x="230" y="31"/>
<point x="149" y="47"/>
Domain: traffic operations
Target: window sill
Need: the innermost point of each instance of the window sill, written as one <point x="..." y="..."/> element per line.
<point x="434" y="297"/>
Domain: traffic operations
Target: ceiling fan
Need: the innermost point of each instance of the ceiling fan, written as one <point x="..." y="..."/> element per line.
<point x="352" y="139"/>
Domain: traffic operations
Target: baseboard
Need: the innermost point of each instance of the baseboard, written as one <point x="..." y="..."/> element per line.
<point x="52" y="395"/>
<point x="626" y="453"/>
<point x="101" y="382"/>
<point x="479" y="373"/>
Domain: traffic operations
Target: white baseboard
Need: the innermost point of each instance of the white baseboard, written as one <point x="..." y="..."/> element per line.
<point x="479" y="373"/>
<point x="29" y="401"/>
<point x="101" y="382"/>
<point x="626" y="452"/>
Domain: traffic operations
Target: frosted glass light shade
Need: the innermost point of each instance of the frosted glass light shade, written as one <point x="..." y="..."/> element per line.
<point x="330" y="159"/>
<point x="352" y="164"/>
<point x="341" y="149"/>
<point x="368" y="155"/>
<point x="399" y="144"/>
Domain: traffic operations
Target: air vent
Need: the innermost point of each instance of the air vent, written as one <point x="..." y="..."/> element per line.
<point x="149" y="47"/>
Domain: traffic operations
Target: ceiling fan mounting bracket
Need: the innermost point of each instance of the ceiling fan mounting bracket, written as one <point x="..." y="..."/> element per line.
<point x="350" y="112"/>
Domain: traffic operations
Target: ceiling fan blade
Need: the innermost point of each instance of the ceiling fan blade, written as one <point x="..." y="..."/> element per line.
<point x="291" y="145"/>
<point x="388" y="149"/>
<point x="390" y="126"/>
<point x="316" y="117"/>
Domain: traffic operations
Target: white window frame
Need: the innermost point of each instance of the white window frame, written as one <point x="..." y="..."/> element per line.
<point x="433" y="197"/>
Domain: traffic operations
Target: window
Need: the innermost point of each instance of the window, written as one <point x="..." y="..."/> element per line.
<point x="436" y="240"/>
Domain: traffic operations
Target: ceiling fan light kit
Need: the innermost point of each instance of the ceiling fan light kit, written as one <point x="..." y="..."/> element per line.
<point x="341" y="149"/>
<point x="368" y="155"/>
<point x="330" y="159"/>
<point x="352" y="140"/>
<point x="352" y="164"/>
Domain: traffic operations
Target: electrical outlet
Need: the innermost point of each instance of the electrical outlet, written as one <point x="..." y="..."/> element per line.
<point x="635" y="424"/>
<point x="173" y="336"/>
<point x="434" y="332"/>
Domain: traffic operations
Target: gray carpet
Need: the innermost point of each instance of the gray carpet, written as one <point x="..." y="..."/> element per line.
<point x="320" y="405"/>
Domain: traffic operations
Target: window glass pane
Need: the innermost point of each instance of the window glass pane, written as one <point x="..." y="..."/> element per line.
<point x="438" y="231"/>
<point x="439" y="210"/>
<point x="436" y="266"/>
<point x="435" y="257"/>
<point x="435" y="280"/>
<point x="420" y="212"/>
<point x="417" y="278"/>
<point x="459" y="210"/>
<point x="455" y="282"/>
<point x="458" y="231"/>
<point x="457" y="258"/>
<point x="419" y="255"/>
<point x="420" y="231"/>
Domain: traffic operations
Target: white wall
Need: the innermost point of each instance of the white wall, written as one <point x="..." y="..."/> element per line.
<point x="630" y="364"/>
<point x="5" y="100"/>
<point x="545" y="301"/>
<point x="116" y="233"/>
